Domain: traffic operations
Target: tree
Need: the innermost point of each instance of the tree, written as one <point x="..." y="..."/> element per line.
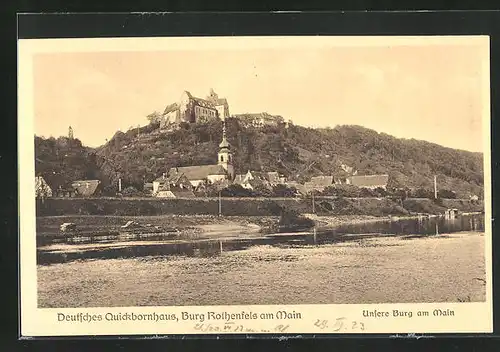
<point x="236" y="190"/>
<point x="154" y="117"/>
<point x="131" y="192"/>
<point x="366" y="192"/>
<point x="263" y="191"/>
<point x="380" y="192"/>
<point x="348" y="191"/>
<point x="424" y="193"/>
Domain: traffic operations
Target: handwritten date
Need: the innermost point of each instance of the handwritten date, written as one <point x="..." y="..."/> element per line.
<point x="339" y="324"/>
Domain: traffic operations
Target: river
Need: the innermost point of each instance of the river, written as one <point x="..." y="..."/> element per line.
<point x="105" y="246"/>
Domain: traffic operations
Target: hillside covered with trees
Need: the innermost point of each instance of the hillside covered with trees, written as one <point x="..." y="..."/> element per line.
<point x="63" y="160"/>
<point x="143" y="154"/>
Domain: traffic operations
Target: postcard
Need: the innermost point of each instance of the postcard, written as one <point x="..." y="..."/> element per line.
<point x="255" y="185"/>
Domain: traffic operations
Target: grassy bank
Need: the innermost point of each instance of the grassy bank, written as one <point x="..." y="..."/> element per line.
<point x="245" y="206"/>
<point x="446" y="268"/>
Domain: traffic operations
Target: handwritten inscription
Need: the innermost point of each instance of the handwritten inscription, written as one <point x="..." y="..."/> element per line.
<point x="339" y="324"/>
<point x="231" y="326"/>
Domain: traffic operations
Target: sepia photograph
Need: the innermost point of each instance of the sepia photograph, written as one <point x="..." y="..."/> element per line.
<point x="260" y="171"/>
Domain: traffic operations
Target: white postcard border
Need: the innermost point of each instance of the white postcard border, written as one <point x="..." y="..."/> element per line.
<point x="467" y="318"/>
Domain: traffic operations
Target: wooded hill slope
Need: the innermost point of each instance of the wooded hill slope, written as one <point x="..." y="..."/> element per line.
<point x="143" y="154"/>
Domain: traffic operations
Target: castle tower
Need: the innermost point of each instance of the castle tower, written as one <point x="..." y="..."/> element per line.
<point x="70" y="133"/>
<point x="213" y="97"/>
<point x="225" y="155"/>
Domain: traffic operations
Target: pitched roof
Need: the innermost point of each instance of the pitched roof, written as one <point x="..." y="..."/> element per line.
<point x="173" y="178"/>
<point x="369" y="180"/>
<point x="298" y="186"/>
<point x="183" y="193"/>
<point x="176" y="178"/>
<point x="323" y="181"/>
<point x="177" y="193"/>
<point x="239" y="178"/>
<point x="199" y="172"/>
<point x="85" y="187"/>
<point x="40" y="182"/>
<point x="255" y="182"/>
<point x="199" y="101"/>
<point x="259" y="175"/>
<point x="41" y="187"/>
<point x="170" y="108"/>
<point x="203" y="102"/>
<point x="221" y="101"/>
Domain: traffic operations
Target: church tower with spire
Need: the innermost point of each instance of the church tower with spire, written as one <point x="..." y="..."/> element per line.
<point x="225" y="155"/>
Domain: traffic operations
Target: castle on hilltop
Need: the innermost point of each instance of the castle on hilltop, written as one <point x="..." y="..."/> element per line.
<point x="192" y="109"/>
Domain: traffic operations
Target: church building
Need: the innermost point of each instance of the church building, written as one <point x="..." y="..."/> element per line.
<point x="192" y="109"/>
<point x="199" y="174"/>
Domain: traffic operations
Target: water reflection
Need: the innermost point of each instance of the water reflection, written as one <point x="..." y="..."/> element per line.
<point x="420" y="226"/>
<point x="165" y="246"/>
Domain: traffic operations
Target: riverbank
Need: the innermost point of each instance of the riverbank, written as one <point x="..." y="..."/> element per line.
<point x="394" y="269"/>
<point x="187" y="226"/>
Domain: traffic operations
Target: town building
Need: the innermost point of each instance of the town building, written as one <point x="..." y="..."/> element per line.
<point x="175" y="186"/>
<point x="65" y="192"/>
<point x="369" y="181"/>
<point x="42" y="189"/>
<point x="86" y="188"/>
<point x="318" y="183"/>
<point x="274" y="178"/>
<point x="148" y="188"/>
<point x="192" y="109"/>
<point x="200" y="174"/>
<point x="253" y="179"/>
<point x="177" y="180"/>
<point x="260" y="119"/>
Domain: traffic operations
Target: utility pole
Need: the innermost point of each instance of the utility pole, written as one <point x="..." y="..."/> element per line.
<point x="119" y="185"/>
<point x="220" y="204"/>
<point x="435" y="187"/>
<point x="314" y="210"/>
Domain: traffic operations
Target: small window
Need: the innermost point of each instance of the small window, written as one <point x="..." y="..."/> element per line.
<point x="222" y="158"/>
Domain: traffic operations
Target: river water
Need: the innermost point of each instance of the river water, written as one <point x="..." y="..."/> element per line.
<point x="139" y="245"/>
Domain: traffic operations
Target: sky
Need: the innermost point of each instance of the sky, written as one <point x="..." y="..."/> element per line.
<point x="427" y="92"/>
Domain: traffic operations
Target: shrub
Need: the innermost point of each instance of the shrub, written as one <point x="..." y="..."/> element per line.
<point x="236" y="190"/>
<point x="284" y="191"/>
<point x="292" y="220"/>
<point x="444" y="193"/>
